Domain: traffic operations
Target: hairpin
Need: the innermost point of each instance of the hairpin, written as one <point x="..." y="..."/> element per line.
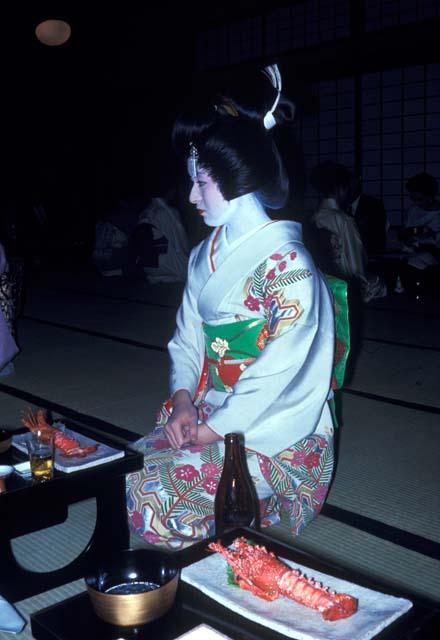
<point x="227" y="106"/>
<point x="193" y="159"/>
<point x="273" y="73"/>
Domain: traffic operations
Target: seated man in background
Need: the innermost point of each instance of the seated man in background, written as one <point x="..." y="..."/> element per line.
<point x="333" y="239"/>
<point x="420" y="236"/>
<point x="159" y="244"/>
<point x="421" y="227"/>
<point x="336" y="244"/>
<point x="112" y="233"/>
<point x="371" y="219"/>
<point x="142" y="239"/>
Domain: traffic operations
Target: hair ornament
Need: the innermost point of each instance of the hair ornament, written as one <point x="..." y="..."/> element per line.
<point x="273" y="73"/>
<point x="193" y="160"/>
<point x="227" y="107"/>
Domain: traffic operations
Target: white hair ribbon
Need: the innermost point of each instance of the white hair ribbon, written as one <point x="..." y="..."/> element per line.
<point x="273" y="73"/>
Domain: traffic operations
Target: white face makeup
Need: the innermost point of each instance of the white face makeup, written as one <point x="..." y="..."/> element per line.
<point x="207" y="197"/>
<point x="238" y="215"/>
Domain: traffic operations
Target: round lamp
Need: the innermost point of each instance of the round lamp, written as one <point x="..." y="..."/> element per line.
<point x="53" y="32"/>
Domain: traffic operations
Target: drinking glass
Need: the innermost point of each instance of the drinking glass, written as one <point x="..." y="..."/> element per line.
<point x="5" y="471"/>
<point x="40" y="446"/>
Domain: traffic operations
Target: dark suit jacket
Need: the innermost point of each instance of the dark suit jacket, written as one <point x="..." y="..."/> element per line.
<point x="371" y="220"/>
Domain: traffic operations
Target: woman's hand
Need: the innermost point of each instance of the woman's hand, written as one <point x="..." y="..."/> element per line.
<point x="206" y="435"/>
<point x="182" y="427"/>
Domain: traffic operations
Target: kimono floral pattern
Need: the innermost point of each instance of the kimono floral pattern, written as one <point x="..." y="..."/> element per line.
<point x="300" y="478"/>
<point x="220" y="346"/>
<point x="265" y="291"/>
<point x="171" y="502"/>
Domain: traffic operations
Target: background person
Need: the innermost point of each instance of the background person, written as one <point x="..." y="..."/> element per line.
<point x="421" y="228"/>
<point x="159" y="242"/>
<point x="337" y="243"/>
<point x="8" y="346"/>
<point x="110" y="253"/>
<point x="142" y="239"/>
<point x="420" y="237"/>
<point x="371" y="219"/>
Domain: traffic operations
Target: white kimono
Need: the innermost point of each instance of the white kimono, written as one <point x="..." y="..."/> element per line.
<point x="280" y="398"/>
<point x="267" y="318"/>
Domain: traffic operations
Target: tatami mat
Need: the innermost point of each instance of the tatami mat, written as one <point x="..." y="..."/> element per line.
<point x="401" y="320"/>
<point x="41" y="601"/>
<point x="377" y="559"/>
<point x="398" y="372"/>
<point x="120" y="383"/>
<point x="388" y="455"/>
<point x="388" y="466"/>
<point x="92" y="283"/>
<point x="67" y="540"/>
<point x="50" y="549"/>
<point x="138" y="321"/>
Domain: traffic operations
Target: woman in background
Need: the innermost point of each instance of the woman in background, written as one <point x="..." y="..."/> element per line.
<point x="8" y="346"/>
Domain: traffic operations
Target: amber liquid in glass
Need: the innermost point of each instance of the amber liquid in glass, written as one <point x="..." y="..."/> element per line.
<point x="236" y="503"/>
<point x="41" y="467"/>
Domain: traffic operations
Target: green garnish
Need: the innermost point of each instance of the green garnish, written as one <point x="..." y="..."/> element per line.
<point x="230" y="576"/>
<point x="230" y="572"/>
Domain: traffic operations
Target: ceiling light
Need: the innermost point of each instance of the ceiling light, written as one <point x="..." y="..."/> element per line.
<point x="53" y="32"/>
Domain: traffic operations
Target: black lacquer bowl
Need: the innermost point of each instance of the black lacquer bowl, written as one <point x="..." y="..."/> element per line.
<point x="133" y="587"/>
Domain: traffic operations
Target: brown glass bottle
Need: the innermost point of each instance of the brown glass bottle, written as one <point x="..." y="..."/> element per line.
<point x="236" y="503"/>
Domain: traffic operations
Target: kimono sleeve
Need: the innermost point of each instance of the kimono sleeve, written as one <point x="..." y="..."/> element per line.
<point x="186" y="348"/>
<point x="279" y="398"/>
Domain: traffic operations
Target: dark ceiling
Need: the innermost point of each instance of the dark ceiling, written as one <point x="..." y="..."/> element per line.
<point x="135" y="46"/>
<point x="112" y="39"/>
<point x="108" y="95"/>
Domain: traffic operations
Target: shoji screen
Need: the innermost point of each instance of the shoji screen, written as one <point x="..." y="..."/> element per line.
<point x="306" y="24"/>
<point x="400" y="132"/>
<point x="328" y="133"/>
<point x="399" y="136"/>
<point x="303" y="24"/>
<point x="380" y="14"/>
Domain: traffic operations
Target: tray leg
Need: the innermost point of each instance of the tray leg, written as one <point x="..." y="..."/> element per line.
<point x="111" y="534"/>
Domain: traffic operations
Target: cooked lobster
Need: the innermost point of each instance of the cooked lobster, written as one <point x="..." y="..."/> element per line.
<point x="259" y="571"/>
<point x="68" y="446"/>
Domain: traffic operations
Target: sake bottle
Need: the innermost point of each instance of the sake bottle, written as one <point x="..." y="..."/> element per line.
<point x="236" y="503"/>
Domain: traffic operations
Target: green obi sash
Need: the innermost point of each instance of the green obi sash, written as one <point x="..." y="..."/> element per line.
<point x="231" y="348"/>
<point x="338" y="288"/>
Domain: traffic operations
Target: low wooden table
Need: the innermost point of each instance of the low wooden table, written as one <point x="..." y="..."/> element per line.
<point x="74" y="618"/>
<point x="27" y="507"/>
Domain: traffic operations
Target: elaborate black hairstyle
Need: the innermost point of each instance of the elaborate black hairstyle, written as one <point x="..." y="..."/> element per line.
<point x="233" y="144"/>
<point x="423" y="183"/>
<point x="328" y="178"/>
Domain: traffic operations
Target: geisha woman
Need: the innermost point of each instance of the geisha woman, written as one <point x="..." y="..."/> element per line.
<point x="253" y="347"/>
